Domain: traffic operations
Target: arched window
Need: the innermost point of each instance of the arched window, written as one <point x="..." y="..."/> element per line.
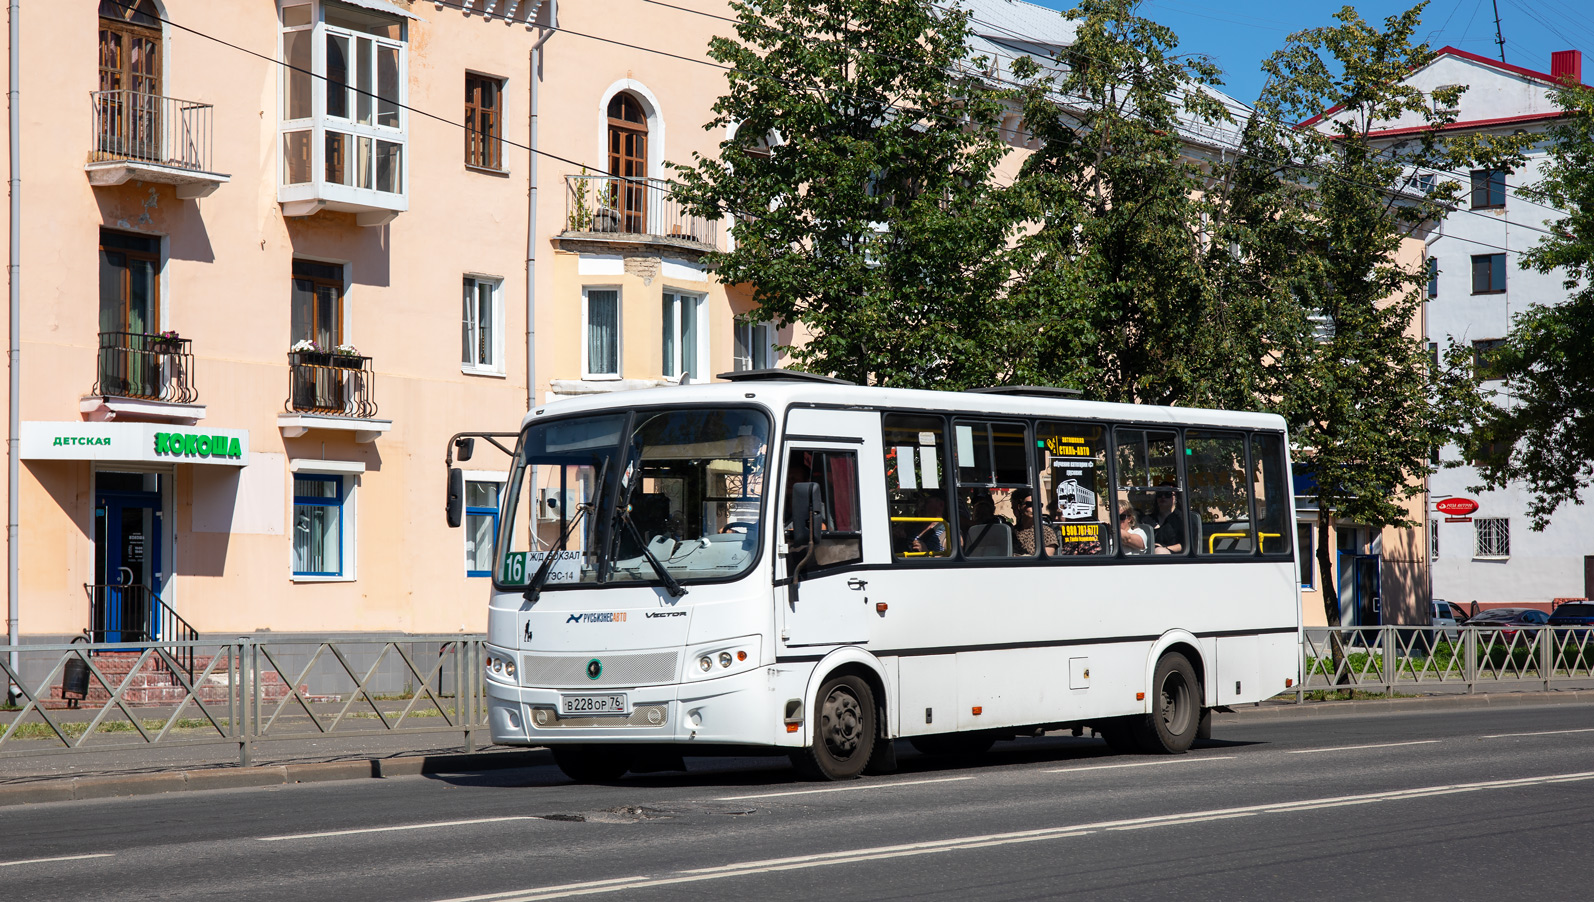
<point x="628" y="159"/>
<point x="128" y="105"/>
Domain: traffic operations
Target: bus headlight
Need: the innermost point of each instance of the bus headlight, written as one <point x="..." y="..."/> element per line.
<point x="706" y="663"/>
<point x="725" y="659"/>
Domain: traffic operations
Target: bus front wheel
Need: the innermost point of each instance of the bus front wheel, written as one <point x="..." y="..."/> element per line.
<point x="1175" y="716"/>
<point x="592" y="763"/>
<point x="843" y="731"/>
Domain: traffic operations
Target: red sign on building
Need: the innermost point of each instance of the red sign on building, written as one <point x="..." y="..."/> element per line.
<point x="1457" y="507"/>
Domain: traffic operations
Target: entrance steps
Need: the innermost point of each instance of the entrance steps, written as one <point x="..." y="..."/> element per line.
<point x="153" y="685"/>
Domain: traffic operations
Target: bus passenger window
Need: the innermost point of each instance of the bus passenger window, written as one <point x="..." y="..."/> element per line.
<point x="1272" y="505"/>
<point x="837" y="539"/>
<point x="1147" y="465"/>
<point x="1071" y="459"/>
<point x="1220" y="492"/>
<point x="916" y="487"/>
<point x="992" y="468"/>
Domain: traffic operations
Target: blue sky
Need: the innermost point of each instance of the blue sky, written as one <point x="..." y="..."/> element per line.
<point x="1239" y="34"/>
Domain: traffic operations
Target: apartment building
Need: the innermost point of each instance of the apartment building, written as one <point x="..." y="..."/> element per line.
<point x="276" y="252"/>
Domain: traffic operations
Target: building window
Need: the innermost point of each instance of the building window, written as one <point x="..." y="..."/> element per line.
<point x="1488" y="273"/>
<point x="755" y="346"/>
<point x="484" y="146"/>
<point x="1433" y="278"/>
<point x="481" y="526"/>
<point x="129" y="283"/>
<point x="1488" y="189"/>
<point x="1485" y="359"/>
<point x="601" y="308"/>
<point x="1433" y="540"/>
<point x="130" y="47"/>
<point x="1304" y="560"/>
<point x="317" y="304"/>
<point x="318" y="548"/>
<point x="1493" y="536"/>
<point x="628" y="159"/>
<point x="480" y="325"/>
<point x="685" y="334"/>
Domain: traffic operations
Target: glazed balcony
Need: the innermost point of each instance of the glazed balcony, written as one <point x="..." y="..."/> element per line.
<point x="150" y="138"/>
<point x="632" y="210"/>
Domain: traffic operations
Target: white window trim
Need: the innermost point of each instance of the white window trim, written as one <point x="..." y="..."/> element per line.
<point x="497" y="367"/>
<point x="655" y="117"/>
<point x="350" y="471"/>
<point x="701" y="300"/>
<point x="619" y="334"/>
<point x="752" y="327"/>
<point x="481" y="476"/>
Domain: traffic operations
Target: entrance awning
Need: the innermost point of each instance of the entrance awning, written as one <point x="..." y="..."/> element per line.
<point x="158" y="443"/>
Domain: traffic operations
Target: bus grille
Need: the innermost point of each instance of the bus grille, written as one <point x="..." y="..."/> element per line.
<point x="618" y="669"/>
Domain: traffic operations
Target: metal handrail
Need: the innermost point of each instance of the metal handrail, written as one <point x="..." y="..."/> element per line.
<point x="132" y="126"/>
<point x="138" y="614"/>
<point x="148" y="366"/>
<point x="331" y="384"/>
<point x="622" y="205"/>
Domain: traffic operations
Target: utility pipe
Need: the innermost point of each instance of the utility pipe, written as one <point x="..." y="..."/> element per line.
<point x="531" y="209"/>
<point x="14" y="352"/>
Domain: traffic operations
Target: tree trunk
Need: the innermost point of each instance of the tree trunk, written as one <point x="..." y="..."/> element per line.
<point x="1330" y="589"/>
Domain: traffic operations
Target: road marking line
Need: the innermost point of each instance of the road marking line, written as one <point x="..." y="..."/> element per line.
<point x="479" y="820"/>
<point x="808" y="792"/>
<point x="7" y="864"/>
<point x="1352" y="748"/>
<point x="1075" y="770"/>
<point x="1542" y="733"/>
<point x="851" y="856"/>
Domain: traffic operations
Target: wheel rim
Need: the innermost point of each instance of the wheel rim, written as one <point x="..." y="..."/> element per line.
<point x="1176" y="706"/>
<point x="842" y="723"/>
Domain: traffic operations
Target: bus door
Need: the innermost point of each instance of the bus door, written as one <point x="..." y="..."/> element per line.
<point x="825" y="599"/>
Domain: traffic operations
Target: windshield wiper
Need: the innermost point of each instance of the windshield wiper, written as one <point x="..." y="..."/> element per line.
<point x="671" y="584"/>
<point x="540" y="578"/>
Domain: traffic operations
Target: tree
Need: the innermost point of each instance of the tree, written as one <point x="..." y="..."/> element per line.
<point x="1365" y="402"/>
<point x="1546" y="425"/>
<point x="859" y="183"/>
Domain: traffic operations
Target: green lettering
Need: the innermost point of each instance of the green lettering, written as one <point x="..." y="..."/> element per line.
<point x="203" y="445"/>
<point x="218" y="446"/>
<point x="163" y="443"/>
<point x="233" y="450"/>
<point x="57" y="441"/>
<point x="190" y="443"/>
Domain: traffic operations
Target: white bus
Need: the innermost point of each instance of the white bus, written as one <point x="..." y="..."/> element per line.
<point x="788" y="562"/>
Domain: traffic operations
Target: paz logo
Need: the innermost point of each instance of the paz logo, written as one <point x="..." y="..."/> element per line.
<point x="594" y="669"/>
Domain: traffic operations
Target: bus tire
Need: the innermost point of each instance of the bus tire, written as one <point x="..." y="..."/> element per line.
<point x="1175" y="715"/>
<point x="844" y="731"/>
<point x="955" y="745"/>
<point x="1204" y="731"/>
<point x="592" y="763"/>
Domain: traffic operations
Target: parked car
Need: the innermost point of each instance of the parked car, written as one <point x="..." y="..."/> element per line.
<point x="1444" y="617"/>
<point x="1574" y="613"/>
<point x="1506" y="621"/>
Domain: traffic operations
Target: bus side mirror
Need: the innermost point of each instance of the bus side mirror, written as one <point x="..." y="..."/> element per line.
<point x="456" y="496"/>
<point x="464" y="448"/>
<point x="807" y="511"/>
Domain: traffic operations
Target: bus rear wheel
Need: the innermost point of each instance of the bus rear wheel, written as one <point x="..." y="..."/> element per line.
<point x="1175" y="716"/>
<point x="843" y="734"/>
<point x="592" y="763"/>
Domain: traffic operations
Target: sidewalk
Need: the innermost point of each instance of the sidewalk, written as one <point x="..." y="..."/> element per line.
<point x="178" y="768"/>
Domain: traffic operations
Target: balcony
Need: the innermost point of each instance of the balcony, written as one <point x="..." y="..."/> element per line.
<point x="146" y="377"/>
<point x="333" y="392"/>
<point x="632" y="210"/>
<point x="150" y="138"/>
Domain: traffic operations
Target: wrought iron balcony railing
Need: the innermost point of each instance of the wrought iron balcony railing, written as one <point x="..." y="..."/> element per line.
<point x="338" y="385"/>
<point x="611" y="204"/>
<point x="150" y="367"/>
<point x="148" y="128"/>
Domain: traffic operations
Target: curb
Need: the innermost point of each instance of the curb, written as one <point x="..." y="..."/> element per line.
<point x="67" y="789"/>
<point x="1288" y="710"/>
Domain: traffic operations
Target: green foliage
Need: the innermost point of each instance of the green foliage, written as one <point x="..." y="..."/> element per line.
<point x="1547" y="426"/>
<point x="873" y="219"/>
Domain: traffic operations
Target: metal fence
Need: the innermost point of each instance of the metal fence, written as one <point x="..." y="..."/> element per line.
<point x="610" y="204"/>
<point x="149" y="128"/>
<point x="153" y="367"/>
<point x="1389" y="659"/>
<point x="339" y="385"/>
<point x="241" y="693"/>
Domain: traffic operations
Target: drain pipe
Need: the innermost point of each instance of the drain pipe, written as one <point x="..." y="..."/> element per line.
<point x="14" y="352"/>
<point x="531" y="209"/>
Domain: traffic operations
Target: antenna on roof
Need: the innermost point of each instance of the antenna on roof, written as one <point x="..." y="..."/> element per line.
<point x="1498" y="37"/>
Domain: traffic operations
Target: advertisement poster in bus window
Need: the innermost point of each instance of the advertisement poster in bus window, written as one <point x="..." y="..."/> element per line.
<point x="1074" y="478"/>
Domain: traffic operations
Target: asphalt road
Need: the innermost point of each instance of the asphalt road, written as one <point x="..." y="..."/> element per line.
<point x="1474" y="804"/>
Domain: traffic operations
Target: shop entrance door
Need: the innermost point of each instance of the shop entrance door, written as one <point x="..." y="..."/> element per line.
<point x="128" y="535"/>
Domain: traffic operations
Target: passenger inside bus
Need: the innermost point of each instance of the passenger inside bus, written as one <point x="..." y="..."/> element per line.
<point x="987" y="534"/>
<point x="1167" y="520"/>
<point x="1027" y="527"/>
<point x="1136" y="538"/>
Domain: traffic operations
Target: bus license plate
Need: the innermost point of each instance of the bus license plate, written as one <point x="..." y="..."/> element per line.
<point x="613" y="703"/>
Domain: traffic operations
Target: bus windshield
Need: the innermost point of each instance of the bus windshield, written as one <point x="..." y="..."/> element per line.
<point x="686" y="485"/>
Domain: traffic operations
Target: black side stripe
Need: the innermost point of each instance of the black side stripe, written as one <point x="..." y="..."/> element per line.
<point x="1057" y="643"/>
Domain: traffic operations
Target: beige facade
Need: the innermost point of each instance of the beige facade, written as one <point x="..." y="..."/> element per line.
<point x="174" y="184"/>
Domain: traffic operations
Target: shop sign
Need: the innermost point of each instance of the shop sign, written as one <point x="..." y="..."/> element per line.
<point x="134" y="443"/>
<point x="1456" y="507"/>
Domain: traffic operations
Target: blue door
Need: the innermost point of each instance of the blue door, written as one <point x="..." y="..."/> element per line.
<point x="127" y="555"/>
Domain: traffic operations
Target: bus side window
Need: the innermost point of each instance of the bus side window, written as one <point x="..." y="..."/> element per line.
<point x="1071" y="508"/>
<point x="1148" y="481"/>
<point x="916" y="487"/>
<point x="1268" y="467"/>
<point x="992" y="473"/>
<point x="839" y="539"/>
<point x="1220" y="492"/>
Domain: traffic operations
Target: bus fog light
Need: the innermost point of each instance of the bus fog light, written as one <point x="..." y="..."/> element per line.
<point x="725" y="659"/>
<point x="498" y="666"/>
<point x="541" y="716"/>
<point x="655" y="716"/>
<point x="706" y="663"/>
<point x="509" y="668"/>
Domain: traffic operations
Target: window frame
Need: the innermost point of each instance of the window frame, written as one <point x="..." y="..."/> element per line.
<point x="489" y="477"/>
<point x="340" y="284"/>
<point x="1433" y="278"/>
<point x="673" y="301"/>
<point x="1479" y="538"/>
<point x="747" y="335"/>
<point x="1306" y="558"/>
<point x="587" y="372"/>
<point x="484" y="148"/>
<point x="471" y="284"/>
<point x="1491" y="184"/>
<point x="1483" y="368"/>
<point x="1489" y="263"/>
<point x="156" y="257"/>
<point x="344" y="504"/>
